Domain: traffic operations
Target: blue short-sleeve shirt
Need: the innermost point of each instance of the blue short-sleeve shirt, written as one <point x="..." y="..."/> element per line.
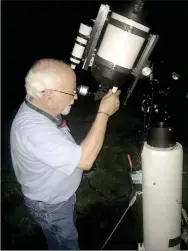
<point x="44" y="157"/>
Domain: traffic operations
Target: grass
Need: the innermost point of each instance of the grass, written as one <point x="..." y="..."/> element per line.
<point x="102" y="196"/>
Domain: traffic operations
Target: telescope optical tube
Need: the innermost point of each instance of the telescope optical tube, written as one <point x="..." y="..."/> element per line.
<point x="80" y="44"/>
<point x="121" y="44"/>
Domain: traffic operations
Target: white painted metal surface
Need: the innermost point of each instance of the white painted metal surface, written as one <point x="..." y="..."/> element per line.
<point x="162" y="196"/>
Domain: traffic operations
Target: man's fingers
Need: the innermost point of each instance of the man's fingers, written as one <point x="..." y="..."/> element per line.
<point x="117" y="92"/>
<point x="109" y="93"/>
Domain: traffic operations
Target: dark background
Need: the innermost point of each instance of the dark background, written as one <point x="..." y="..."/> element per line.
<point x="41" y="29"/>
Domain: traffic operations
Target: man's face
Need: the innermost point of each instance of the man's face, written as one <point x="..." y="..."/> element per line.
<point x="62" y="102"/>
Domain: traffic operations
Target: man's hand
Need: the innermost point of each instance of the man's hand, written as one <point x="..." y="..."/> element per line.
<point x="110" y="103"/>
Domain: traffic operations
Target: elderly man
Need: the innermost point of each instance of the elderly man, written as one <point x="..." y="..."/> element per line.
<point x="47" y="161"/>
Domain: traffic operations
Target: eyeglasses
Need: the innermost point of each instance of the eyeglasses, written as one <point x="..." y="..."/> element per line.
<point x="65" y="92"/>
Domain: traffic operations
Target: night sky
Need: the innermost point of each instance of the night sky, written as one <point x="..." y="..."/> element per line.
<point x="38" y="29"/>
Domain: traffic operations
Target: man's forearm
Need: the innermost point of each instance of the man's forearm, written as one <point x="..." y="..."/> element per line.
<point x="93" y="142"/>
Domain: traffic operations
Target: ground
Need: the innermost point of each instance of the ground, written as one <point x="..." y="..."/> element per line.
<point x="103" y="194"/>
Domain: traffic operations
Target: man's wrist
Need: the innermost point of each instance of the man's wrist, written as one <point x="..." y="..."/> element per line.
<point x="105" y="113"/>
<point x="102" y="116"/>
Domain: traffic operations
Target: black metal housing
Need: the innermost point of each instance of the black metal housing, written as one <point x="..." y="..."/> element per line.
<point x="161" y="136"/>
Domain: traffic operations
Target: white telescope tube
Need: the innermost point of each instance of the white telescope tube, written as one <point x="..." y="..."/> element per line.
<point x="79" y="46"/>
<point x="162" y="197"/>
<point x="119" y="46"/>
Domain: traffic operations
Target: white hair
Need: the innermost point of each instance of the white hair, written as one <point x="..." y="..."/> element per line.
<point x="38" y="80"/>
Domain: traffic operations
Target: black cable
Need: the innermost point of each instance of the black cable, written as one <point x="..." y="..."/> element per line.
<point x="95" y="189"/>
<point x="128" y="193"/>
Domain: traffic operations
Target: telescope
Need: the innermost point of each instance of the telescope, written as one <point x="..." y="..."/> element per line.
<point x="117" y="50"/>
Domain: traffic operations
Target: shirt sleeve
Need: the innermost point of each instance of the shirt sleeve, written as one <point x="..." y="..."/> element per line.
<point x="54" y="149"/>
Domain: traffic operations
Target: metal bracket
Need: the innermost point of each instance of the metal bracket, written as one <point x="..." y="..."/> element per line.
<point x="95" y="35"/>
<point x="153" y="39"/>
